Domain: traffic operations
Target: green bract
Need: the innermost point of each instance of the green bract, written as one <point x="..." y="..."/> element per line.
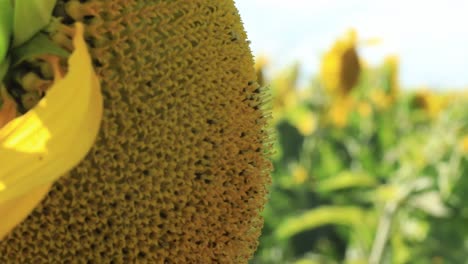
<point x="40" y="44"/>
<point x="6" y="21"/>
<point x="30" y="16"/>
<point x="21" y="22"/>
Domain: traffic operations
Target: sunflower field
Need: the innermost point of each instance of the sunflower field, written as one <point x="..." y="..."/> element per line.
<point x="364" y="171"/>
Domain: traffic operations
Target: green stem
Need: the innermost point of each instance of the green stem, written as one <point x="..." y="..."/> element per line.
<point x="383" y="232"/>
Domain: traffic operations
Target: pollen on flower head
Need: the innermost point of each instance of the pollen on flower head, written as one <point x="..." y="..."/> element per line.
<point x="180" y="169"/>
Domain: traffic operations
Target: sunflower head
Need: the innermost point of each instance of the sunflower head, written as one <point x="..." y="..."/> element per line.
<point x="179" y="171"/>
<point x="340" y="67"/>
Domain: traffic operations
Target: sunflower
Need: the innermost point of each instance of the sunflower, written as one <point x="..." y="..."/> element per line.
<point x="162" y="100"/>
<point x="391" y="68"/>
<point x="431" y="103"/>
<point x="340" y="67"/>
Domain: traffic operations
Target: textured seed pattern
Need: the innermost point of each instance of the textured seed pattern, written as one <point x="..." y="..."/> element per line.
<point x="180" y="169"/>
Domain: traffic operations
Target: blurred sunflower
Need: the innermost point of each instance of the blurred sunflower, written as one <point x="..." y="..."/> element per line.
<point x="340" y="67"/>
<point x="380" y="99"/>
<point x="285" y="94"/>
<point x="261" y="62"/>
<point x="299" y="174"/>
<point x="303" y="119"/>
<point x="464" y="144"/>
<point x="430" y="102"/>
<point x="392" y="83"/>
<point x="338" y="113"/>
<point x="364" y="109"/>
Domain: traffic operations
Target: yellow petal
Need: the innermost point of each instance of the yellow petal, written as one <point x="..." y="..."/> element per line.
<point x="53" y="137"/>
<point x="16" y="210"/>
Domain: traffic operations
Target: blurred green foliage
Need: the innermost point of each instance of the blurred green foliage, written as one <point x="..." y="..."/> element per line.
<point x="370" y="174"/>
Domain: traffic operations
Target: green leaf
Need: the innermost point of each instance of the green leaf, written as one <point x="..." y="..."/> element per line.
<point x="430" y="203"/>
<point x="330" y="162"/>
<point x="30" y="17"/>
<point x="6" y="24"/>
<point x="314" y="258"/>
<point x="340" y="215"/>
<point x="40" y="44"/>
<point x="345" y="180"/>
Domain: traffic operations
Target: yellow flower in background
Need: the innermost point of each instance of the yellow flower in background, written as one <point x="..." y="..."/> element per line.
<point x="364" y="109"/>
<point x="339" y="111"/>
<point x="299" y="174"/>
<point x="464" y="144"/>
<point x="340" y="67"/>
<point x="387" y="93"/>
<point x="307" y="124"/>
<point x="380" y="99"/>
<point x="41" y="145"/>
<point x="260" y="64"/>
<point x="303" y="119"/>
<point x="391" y="66"/>
<point x="180" y="169"/>
<point x="284" y="91"/>
<point x="430" y="102"/>
<point x="371" y="42"/>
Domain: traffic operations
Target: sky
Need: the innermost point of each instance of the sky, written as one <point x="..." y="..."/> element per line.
<point x="429" y="36"/>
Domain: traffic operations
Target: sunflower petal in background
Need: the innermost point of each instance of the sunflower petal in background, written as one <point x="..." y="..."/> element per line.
<point x="385" y="91"/>
<point x="339" y="111"/>
<point x="464" y="144"/>
<point x="285" y="91"/>
<point x="261" y="64"/>
<point x="53" y="137"/>
<point x="391" y="72"/>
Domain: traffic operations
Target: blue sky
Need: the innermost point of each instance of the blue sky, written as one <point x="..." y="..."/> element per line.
<point x="429" y="36"/>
